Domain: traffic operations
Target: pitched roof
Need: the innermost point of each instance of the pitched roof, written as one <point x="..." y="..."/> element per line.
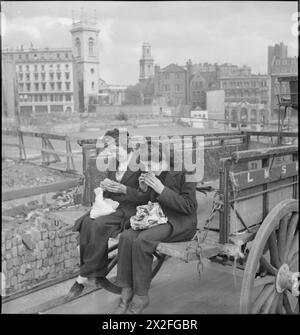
<point x="173" y="68"/>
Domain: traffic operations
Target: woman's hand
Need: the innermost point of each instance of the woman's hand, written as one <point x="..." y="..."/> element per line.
<point x="154" y="183"/>
<point x="113" y="186"/>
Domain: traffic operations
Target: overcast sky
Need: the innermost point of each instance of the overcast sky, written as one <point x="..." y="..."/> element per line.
<point x="234" y="32"/>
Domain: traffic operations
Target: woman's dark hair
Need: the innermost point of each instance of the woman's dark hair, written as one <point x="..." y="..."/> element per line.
<point x="115" y="134"/>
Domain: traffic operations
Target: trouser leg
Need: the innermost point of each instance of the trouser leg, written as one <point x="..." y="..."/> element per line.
<point x="124" y="270"/>
<point x="142" y="256"/>
<point x="94" y="243"/>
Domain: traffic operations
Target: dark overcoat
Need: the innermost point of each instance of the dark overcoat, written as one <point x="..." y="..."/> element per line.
<point x="127" y="202"/>
<point x="178" y="202"/>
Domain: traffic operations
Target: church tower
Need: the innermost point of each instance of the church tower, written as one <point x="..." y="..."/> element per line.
<point x="146" y="63"/>
<point x="85" y="47"/>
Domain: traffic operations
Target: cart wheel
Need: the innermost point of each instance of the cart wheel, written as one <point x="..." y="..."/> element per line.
<point x="110" y="283"/>
<point x="270" y="283"/>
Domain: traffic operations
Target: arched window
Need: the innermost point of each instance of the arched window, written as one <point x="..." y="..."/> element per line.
<point x="93" y="85"/>
<point x="77" y="46"/>
<point x="91" y="46"/>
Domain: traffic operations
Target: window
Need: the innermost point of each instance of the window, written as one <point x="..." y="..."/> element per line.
<point x="36" y="98"/>
<point x="20" y="76"/>
<point x="58" y="67"/>
<point x="27" y="76"/>
<point x="51" y="97"/>
<point x="93" y="85"/>
<point x="44" y="86"/>
<point x="36" y="76"/>
<point x="167" y="75"/>
<point x="20" y="56"/>
<point x="43" y="76"/>
<point x="43" y="67"/>
<point x="27" y="67"/>
<point x="60" y="97"/>
<point x="28" y="86"/>
<point x="20" y="68"/>
<point x="58" y="55"/>
<point x="35" y="68"/>
<point x="67" y="66"/>
<point x="58" y="74"/>
<point x="67" y="86"/>
<point x="36" y="86"/>
<point x="91" y="46"/>
<point x="68" y="97"/>
<point x="27" y="56"/>
<point x="92" y="71"/>
<point x="59" y="86"/>
<point x="67" y="75"/>
<point x="51" y="76"/>
<point x="52" y="87"/>
<point x="166" y="87"/>
<point x="178" y="88"/>
<point x="178" y="75"/>
<point x="77" y="46"/>
<point x="67" y="56"/>
<point x="21" y="87"/>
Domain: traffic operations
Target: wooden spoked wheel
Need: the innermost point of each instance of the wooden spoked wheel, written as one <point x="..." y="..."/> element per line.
<point x="109" y="282"/>
<point x="270" y="283"/>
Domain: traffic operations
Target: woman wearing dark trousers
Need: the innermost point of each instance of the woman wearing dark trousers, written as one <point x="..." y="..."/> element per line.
<point x="95" y="233"/>
<point x="177" y="199"/>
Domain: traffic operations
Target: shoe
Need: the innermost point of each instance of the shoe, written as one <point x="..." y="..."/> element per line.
<point x="124" y="301"/>
<point x="75" y="290"/>
<point x="122" y="307"/>
<point x="137" y="304"/>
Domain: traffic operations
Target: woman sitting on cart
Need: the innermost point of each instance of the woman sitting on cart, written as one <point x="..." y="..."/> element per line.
<point x="95" y="233"/>
<point x="177" y="199"/>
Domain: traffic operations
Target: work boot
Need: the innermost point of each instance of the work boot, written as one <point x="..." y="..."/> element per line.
<point x="75" y="290"/>
<point x="124" y="301"/>
<point x="137" y="304"/>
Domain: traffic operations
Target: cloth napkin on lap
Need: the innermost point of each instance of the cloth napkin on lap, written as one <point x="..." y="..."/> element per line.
<point x="148" y="216"/>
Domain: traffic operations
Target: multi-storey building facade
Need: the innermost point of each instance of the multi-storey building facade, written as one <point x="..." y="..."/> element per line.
<point x="199" y="84"/>
<point x="230" y="70"/>
<point x="247" y="114"/>
<point x="44" y="79"/>
<point x="222" y="70"/>
<point x="277" y="51"/>
<point x="170" y="82"/>
<point x="253" y="90"/>
<point x="281" y="67"/>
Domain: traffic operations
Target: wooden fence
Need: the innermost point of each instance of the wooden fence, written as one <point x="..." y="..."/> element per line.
<point x="48" y="154"/>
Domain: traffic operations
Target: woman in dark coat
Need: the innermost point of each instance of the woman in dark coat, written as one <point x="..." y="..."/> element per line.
<point x="177" y="199"/>
<point x="121" y="185"/>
